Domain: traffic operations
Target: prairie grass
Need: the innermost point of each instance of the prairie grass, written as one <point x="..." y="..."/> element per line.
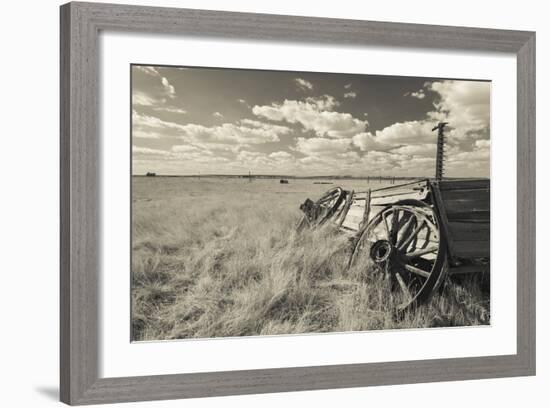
<point x="221" y="258"/>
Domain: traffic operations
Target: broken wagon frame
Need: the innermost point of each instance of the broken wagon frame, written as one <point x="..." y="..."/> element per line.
<point x="418" y="232"/>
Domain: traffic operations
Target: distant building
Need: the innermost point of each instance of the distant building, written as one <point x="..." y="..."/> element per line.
<point x="149" y="174"/>
<point x="283" y="181"/>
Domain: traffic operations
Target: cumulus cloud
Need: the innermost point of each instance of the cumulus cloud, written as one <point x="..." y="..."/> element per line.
<point x="418" y="94"/>
<point x="421" y="150"/>
<point x="188" y="148"/>
<point x="215" y="147"/>
<point x="280" y="155"/>
<point x="151" y="127"/>
<point x="350" y="95"/>
<point x="169" y="90"/>
<point x="347" y="86"/>
<point x="365" y="141"/>
<point x="411" y="132"/>
<point x="148" y="70"/>
<point x="303" y="84"/>
<point x="242" y="132"/>
<point x="143" y="99"/>
<point x="217" y="115"/>
<point x="139" y="150"/>
<point x="315" y="114"/>
<point x="464" y="104"/>
<point x="148" y="122"/>
<point x="170" y="109"/>
<point x="483" y="144"/>
<point x="319" y="146"/>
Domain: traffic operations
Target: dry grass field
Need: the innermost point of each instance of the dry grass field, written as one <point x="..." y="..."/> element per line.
<point x="219" y="257"/>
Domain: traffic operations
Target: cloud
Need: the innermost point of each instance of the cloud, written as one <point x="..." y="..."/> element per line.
<point x="170" y="109"/>
<point x="319" y="146"/>
<point x="138" y="150"/>
<point x="483" y="144"/>
<point x="464" y="104"/>
<point x="303" y="84"/>
<point x="244" y="102"/>
<point x="314" y="114"/>
<point x="144" y="134"/>
<point x="148" y="70"/>
<point x="243" y="132"/>
<point x="151" y="127"/>
<point x="365" y="141"/>
<point x="143" y="121"/>
<point x="347" y="86"/>
<point x="417" y="94"/>
<point x="246" y="131"/>
<point x="412" y="132"/>
<point x="280" y="155"/>
<point x="142" y="99"/>
<point x="350" y="95"/>
<point x="324" y="102"/>
<point x="187" y="149"/>
<point x="169" y="90"/>
<point x="217" y="115"/>
<point x="420" y="150"/>
<point x="211" y="147"/>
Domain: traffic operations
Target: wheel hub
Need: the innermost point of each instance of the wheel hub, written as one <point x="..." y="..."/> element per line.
<point x="381" y="251"/>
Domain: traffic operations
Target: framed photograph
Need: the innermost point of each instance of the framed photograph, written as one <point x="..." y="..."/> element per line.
<point x="261" y="203"/>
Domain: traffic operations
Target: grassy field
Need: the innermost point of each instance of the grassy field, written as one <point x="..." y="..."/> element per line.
<point x="216" y="257"/>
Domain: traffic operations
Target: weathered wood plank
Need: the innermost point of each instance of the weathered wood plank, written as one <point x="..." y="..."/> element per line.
<point x="468" y="231"/>
<point x="462" y="194"/>
<point x="394" y="198"/>
<point x="354" y="218"/>
<point x="356" y="210"/>
<point x="345" y="210"/>
<point x="463" y="269"/>
<point x="366" y="209"/>
<point x="466" y="205"/>
<point x="482" y="216"/>
<point x="471" y="249"/>
<point x="463" y="184"/>
<point x="350" y="225"/>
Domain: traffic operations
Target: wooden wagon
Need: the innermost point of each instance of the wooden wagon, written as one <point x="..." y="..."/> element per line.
<point x="416" y="232"/>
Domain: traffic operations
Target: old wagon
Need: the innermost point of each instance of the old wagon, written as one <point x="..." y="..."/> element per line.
<point x="416" y="233"/>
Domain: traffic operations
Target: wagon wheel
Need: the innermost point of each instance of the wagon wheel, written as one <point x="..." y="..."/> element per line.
<point x="406" y="242"/>
<point x="323" y="209"/>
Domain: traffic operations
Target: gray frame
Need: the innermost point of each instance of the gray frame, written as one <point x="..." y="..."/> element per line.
<point x="80" y="234"/>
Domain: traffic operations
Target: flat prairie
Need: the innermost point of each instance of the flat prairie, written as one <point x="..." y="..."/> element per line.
<point x="220" y="257"/>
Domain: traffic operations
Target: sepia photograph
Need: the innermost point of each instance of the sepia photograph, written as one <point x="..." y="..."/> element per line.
<point x="289" y="203"/>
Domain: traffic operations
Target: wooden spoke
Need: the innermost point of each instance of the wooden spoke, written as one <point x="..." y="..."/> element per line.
<point x="394" y="226"/>
<point x="420" y="252"/>
<point x="385" y="222"/>
<point x="416" y="271"/>
<point x="404" y="287"/>
<point x="406" y="231"/>
<point x="406" y="243"/>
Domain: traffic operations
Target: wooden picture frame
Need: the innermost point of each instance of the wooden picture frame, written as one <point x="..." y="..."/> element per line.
<point x="81" y="24"/>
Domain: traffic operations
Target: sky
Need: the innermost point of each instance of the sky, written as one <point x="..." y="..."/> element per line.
<point x="188" y="120"/>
